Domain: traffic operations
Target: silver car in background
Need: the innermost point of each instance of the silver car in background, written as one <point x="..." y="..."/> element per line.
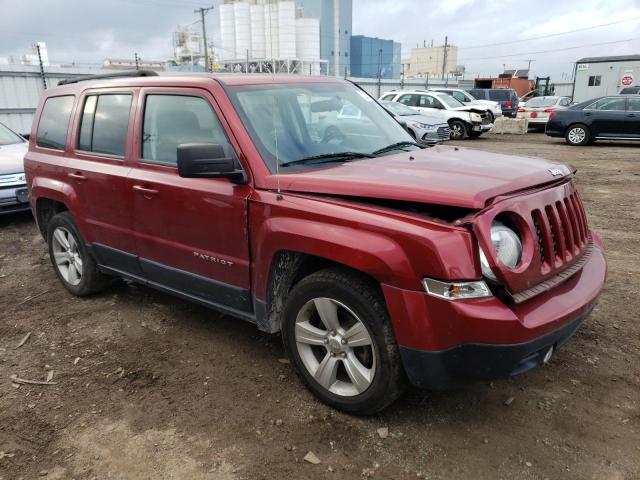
<point x="14" y="196"/>
<point x="426" y="129"/>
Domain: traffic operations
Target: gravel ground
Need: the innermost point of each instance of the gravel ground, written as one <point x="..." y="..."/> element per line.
<point x="152" y="387"/>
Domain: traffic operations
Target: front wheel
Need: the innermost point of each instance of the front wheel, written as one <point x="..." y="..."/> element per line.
<point x="578" y="135"/>
<point x="338" y="334"/>
<point x="458" y="130"/>
<point x="473" y="134"/>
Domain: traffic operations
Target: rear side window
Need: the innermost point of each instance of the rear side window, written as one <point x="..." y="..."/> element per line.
<point x="171" y="120"/>
<point x="389" y="97"/>
<point x="54" y="122"/>
<point x="104" y="124"/>
<point x="608" y="104"/>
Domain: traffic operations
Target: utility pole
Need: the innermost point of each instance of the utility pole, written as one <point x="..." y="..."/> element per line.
<point x="444" y="57"/>
<point x="379" y="72"/>
<point x="135" y="55"/>
<point x="202" y="12"/>
<point x="44" y="79"/>
<point x="246" y="68"/>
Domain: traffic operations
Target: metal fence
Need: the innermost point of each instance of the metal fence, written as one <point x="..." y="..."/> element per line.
<point x="22" y="85"/>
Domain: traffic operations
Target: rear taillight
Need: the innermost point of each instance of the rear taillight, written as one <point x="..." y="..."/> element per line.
<point x="507" y="104"/>
<point x="521" y="109"/>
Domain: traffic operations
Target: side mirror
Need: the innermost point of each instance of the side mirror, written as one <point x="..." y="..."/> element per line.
<point x="207" y="160"/>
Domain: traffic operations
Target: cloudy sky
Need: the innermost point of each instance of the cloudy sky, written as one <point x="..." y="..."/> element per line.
<point x="489" y="33"/>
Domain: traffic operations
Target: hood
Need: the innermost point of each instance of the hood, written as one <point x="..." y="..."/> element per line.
<point x="12" y="157"/>
<point x="470" y="108"/>
<point x="439" y="175"/>
<point x="425" y="118"/>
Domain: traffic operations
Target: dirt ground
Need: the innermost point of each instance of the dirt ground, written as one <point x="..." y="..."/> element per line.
<point x="152" y="387"/>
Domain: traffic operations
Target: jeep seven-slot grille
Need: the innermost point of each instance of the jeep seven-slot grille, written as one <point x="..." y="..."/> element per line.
<point x="561" y="230"/>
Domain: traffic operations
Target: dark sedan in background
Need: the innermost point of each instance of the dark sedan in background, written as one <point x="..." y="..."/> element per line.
<point x="605" y="118"/>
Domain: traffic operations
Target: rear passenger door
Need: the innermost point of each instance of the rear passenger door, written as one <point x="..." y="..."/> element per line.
<point x="633" y="116"/>
<point x="98" y="169"/>
<point x="191" y="233"/>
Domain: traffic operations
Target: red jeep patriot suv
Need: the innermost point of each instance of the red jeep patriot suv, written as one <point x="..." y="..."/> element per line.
<point x="377" y="260"/>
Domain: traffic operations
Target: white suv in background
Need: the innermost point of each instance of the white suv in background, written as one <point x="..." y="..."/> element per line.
<point x="494" y="108"/>
<point x="464" y="120"/>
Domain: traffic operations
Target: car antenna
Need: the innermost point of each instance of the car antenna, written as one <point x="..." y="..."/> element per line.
<point x="275" y="104"/>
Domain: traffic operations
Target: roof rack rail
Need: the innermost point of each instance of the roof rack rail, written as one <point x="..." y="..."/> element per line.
<point x="84" y="78"/>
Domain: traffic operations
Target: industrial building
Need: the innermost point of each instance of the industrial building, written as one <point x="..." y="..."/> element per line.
<point x="430" y="61"/>
<point x="305" y="36"/>
<point x="271" y="36"/>
<point x="375" y="57"/>
<point x="598" y="76"/>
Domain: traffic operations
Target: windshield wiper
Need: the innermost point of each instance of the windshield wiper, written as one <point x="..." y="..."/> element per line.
<point x="329" y="157"/>
<point x="396" y="146"/>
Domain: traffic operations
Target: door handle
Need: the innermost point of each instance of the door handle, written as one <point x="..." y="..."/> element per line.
<point x="631" y="115"/>
<point x="146" y="190"/>
<point x="77" y="176"/>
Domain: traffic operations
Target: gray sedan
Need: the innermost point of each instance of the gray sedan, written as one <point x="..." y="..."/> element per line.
<point x="14" y="196"/>
<point x="426" y="129"/>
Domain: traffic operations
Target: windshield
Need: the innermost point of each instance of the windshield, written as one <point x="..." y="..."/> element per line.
<point x="7" y="137"/>
<point x="450" y="101"/>
<point x="400" y="109"/>
<point x="293" y="122"/>
<point x="542" y="102"/>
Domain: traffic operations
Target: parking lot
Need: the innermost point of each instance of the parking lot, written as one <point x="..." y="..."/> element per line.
<point x="149" y="386"/>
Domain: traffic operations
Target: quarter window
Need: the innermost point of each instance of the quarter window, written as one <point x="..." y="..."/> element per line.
<point x="171" y="120"/>
<point x="104" y="124"/>
<point x="54" y="122"/>
<point x="594" y="80"/>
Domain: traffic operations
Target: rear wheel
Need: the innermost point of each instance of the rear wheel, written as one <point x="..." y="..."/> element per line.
<point x="338" y="334"/>
<point x="578" y="135"/>
<point x="72" y="262"/>
<point x="458" y="130"/>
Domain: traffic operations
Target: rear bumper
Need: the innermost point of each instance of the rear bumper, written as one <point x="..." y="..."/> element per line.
<point x="443" y="340"/>
<point x="438" y="370"/>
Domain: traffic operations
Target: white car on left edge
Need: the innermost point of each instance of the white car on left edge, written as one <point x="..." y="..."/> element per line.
<point x="14" y="196"/>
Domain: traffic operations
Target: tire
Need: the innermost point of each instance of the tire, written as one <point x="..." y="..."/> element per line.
<point x="458" y="130"/>
<point x="577" y="135"/>
<point x="74" y="265"/>
<point x="492" y="118"/>
<point x="473" y="134"/>
<point x="361" y="379"/>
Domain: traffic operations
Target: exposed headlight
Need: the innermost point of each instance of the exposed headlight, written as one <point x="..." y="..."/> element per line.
<point x="423" y="126"/>
<point x="507" y="246"/>
<point x="456" y="290"/>
<point x="475" y="117"/>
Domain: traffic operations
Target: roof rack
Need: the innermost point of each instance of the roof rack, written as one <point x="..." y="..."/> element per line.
<point x="133" y="73"/>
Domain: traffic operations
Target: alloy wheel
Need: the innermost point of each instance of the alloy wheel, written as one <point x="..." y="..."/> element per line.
<point x="66" y="255"/>
<point x="577" y="135"/>
<point x="335" y="347"/>
<point x="457" y="131"/>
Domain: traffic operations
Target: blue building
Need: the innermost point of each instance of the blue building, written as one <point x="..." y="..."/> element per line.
<point x="371" y="57"/>
<point x="336" y="19"/>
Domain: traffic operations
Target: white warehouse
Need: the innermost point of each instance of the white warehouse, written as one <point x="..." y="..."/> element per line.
<point x="269" y="35"/>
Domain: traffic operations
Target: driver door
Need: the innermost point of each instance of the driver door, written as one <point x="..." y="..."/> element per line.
<point x="190" y="233"/>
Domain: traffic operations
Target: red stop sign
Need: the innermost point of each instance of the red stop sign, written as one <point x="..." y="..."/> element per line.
<point x="627" y="80"/>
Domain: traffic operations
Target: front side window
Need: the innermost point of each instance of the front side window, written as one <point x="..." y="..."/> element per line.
<point x="172" y="120"/>
<point x="427" y="101"/>
<point x="608" y="104"/>
<point x="104" y="124"/>
<point x="54" y="122"/>
<point x="594" y="80"/>
<point x="8" y="137"/>
<point x="299" y="122"/>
